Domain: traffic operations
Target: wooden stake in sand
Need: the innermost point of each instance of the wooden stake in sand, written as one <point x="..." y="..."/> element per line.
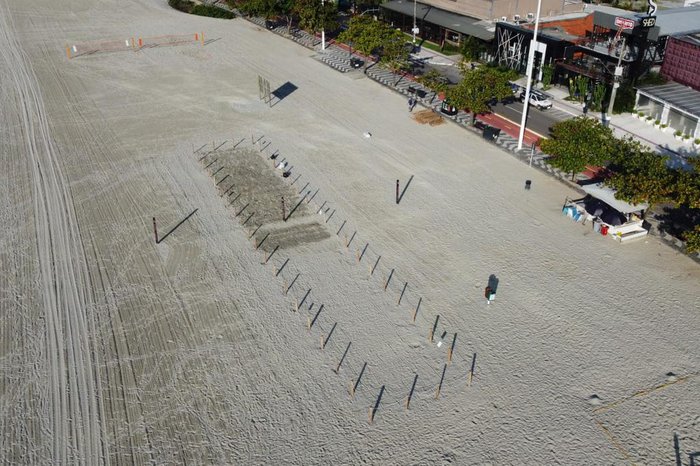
<point x="371" y="270"/>
<point x="340" y="363"/>
<point x="391" y="274"/>
<point x="471" y="371"/>
<point x="398" y="303"/>
<point x="155" y="230"/>
<point x="410" y="393"/>
<point x="347" y="244"/>
<point x="415" y="313"/>
<point x="439" y="388"/>
<point x="257" y="245"/>
<point x="286" y="290"/>
<point x="301" y="303"/>
<point x="432" y="332"/>
<point x="373" y="411"/>
<point x="364" y="250"/>
<point x="272" y="253"/>
<point x="279" y="271"/>
<point x="246" y="220"/>
<point x="451" y="350"/>
<point x="353" y="388"/>
<point x="313" y="321"/>
<point x="324" y="342"/>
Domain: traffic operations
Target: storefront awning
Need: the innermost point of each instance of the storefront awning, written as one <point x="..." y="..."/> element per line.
<point x="446" y="19"/>
<point x="607" y="195"/>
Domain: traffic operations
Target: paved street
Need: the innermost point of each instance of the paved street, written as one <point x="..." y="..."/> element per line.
<point x="538" y="121"/>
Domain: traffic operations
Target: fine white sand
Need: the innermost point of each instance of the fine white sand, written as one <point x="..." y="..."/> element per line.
<point x="118" y="350"/>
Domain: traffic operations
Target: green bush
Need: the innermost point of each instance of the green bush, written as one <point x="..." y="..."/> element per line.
<point x="692" y="240"/>
<point x="624" y="99"/>
<point x="211" y="11"/>
<point x="187" y="6"/>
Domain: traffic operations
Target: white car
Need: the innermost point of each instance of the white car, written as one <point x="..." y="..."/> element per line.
<point x="540" y="100"/>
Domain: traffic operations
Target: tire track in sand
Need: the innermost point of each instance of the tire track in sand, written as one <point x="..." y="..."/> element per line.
<point x="75" y="425"/>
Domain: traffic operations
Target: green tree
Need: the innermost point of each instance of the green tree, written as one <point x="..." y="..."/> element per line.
<point x="692" y="240"/>
<point x="640" y="175"/>
<point x="582" y="87"/>
<point x="686" y="188"/>
<point x="471" y="49"/>
<point x="547" y="74"/>
<point x="315" y="15"/>
<point x="265" y="8"/>
<point x="572" y="88"/>
<point x="624" y="99"/>
<point x="434" y="81"/>
<point x="377" y="37"/>
<point x="597" y="96"/>
<point x="579" y="142"/>
<point x="479" y="87"/>
<point x="365" y="33"/>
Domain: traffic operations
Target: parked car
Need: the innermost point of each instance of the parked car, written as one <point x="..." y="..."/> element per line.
<point x="539" y="100"/>
<point x="518" y="90"/>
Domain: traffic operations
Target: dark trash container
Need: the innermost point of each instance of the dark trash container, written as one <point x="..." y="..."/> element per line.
<point x="448" y="109"/>
<point x="356" y="62"/>
<point x="411" y="89"/>
<point x="491" y="133"/>
<point x="421" y="93"/>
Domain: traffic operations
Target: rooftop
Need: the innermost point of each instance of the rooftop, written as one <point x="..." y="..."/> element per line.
<point x="484" y="30"/>
<point x="677" y="95"/>
<point x="690" y="38"/>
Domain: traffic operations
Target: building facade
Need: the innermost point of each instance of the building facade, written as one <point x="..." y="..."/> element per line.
<point x="682" y="60"/>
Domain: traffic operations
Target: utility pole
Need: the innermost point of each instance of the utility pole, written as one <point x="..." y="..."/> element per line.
<point x="530" y="63"/>
<point x="616" y="80"/>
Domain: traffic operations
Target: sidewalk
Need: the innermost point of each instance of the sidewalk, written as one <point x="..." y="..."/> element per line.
<point x="626" y="125"/>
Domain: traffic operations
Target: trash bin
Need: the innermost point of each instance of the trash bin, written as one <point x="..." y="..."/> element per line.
<point x="411" y="89"/>
<point x="490" y="133"/>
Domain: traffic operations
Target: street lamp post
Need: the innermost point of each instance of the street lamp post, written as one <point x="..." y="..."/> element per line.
<point x="528" y="86"/>
<point x="415" y="28"/>
<point x="323" y="27"/>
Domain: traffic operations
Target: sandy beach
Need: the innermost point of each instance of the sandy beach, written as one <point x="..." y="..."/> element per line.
<point x="261" y="333"/>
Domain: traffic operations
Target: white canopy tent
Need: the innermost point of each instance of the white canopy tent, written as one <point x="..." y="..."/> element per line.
<point x="607" y="195"/>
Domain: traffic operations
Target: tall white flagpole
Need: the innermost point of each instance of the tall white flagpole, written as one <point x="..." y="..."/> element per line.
<point x="323" y="30"/>
<point x="530" y="63"/>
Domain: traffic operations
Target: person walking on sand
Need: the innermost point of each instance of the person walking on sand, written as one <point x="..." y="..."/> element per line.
<point x="410" y="104"/>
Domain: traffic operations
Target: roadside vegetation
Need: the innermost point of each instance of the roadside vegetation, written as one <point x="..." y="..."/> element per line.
<point x="479" y="88"/>
<point x="187" y="6"/>
<point x="378" y="38"/>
